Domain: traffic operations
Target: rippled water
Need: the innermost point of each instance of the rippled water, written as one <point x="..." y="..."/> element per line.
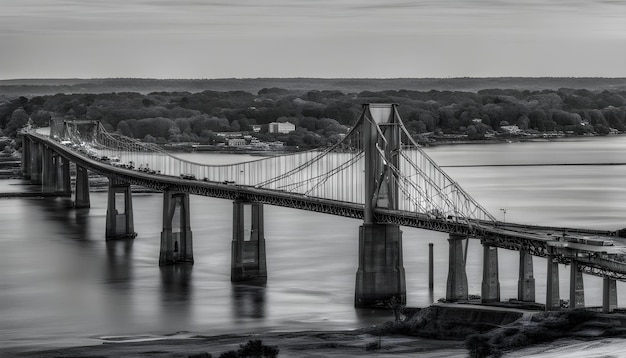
<point x="63" y="284"/>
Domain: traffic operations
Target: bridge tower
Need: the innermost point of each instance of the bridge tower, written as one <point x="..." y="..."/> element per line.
<point x="380" y="276"/>
<point x="176" y="237"/>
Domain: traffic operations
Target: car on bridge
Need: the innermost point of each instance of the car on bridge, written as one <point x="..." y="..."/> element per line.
<point x="188" y="176"/>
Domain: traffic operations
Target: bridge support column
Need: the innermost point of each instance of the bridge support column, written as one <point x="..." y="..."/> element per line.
<point x="35" y="162"/>
<point x="119" y="211"/>
<point x="26" y="145"/>
<point x="490" y="288"/>
<point x="176" y="237"/>
<point x="380" y="276"/>
<point x="553" y="298"/>
<point x="62" y="180"/>
<point x="456" y="288"/>
<point x="609" y="295"/>
<point x="81" y="196"/>
<point x="48" y="173"/>
<point x="526" y="281"/>
<point x="576" y="287"/>
<point x="248" y="262"/>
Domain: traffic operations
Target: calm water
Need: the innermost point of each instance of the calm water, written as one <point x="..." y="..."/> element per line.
<point x="63" y="284"/>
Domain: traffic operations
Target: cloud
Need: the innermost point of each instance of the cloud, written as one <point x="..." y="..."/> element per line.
<point x="311" y="37"/>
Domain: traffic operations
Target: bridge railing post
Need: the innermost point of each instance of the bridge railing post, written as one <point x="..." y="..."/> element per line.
<point x="248" y="258"/>
<point x="119" y="222"/>
<point x="176" y="237"/>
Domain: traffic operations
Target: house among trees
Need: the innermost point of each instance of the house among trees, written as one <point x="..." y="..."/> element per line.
<point x="281" y="127"/>
<point x="237" y="142"/>
<point x="514" y="129"/>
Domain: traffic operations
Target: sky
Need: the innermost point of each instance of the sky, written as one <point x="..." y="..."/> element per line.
<point x="312" y="38"/>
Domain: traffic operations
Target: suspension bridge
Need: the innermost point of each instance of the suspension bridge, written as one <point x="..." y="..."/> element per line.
<point x="376" y="173"/>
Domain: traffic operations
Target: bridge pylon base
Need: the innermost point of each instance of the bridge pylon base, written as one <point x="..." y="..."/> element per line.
<point x="490" y="288"/>
<point x="526" y="280"/>
<point x="456" y="286"/>
<point x="609" y="295"/>
<point x="35" y="162"/>
<point x="248" y="260"/>
<point x="48" y="171"/>
<point x="576" y="287"/>
<point x="63" y="186"/>
<point x="553" y="298"/>
<point x="26" y="157"/>
<point x="81" y="193"/>
<point x="176" y="246"/>
<point x="380" y="278"/>
<point x="119" y="224"/>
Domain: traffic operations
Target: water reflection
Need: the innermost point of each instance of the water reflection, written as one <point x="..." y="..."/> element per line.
<point x="248" y="301"/>
<point x="176" y="282"/>
<point x="176" y="293"/>
<point x="370" y="316"/>
<point x="118" y="267"/>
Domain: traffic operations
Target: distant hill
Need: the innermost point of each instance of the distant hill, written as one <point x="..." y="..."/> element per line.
<point x="34" y="87"/>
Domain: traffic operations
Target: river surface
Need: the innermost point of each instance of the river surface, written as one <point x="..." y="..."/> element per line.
<point x="62" y="284"/>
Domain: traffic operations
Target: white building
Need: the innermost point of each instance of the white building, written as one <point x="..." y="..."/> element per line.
<point x="282" y="127"/>
<point x="511" y="129"/>
<point x="236" y="142"/>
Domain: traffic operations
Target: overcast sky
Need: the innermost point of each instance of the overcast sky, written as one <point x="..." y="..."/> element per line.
<point x="311" y="38"/>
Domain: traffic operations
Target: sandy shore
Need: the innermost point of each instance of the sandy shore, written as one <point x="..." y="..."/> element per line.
<point x="293" y="344"/>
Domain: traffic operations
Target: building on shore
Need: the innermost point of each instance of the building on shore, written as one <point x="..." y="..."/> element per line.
<point x="281" y="127"/>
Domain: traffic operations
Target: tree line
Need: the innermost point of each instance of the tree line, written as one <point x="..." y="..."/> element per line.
<point x="321" y="117"/>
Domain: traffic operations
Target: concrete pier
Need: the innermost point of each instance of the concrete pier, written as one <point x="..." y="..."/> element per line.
<point x="119" y="222"/>
<point x="609" y="295"/>
<point x="63" y="185"/>
<point x="380" y="276"/>
<point x="576" y="287"/>
<point x="48" y="172"/>
<point x="248" y="261"/>
<point x="490" y="288"/>
<point x="553" y="298"/>
<point x="81" y="196"/>
<point x="456" y="287"/>
<point x="35" y="162"/>
<point x="526" y="281"/>
<point x="176" y="237"/>
<point x="26" y="145"/>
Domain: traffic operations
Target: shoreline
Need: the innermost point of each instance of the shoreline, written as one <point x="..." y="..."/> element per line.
<point x="439" y="330"/>
<point x="291" y="344"/>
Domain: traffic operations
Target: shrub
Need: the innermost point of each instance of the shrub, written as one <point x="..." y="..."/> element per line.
<point x="252" y="349"/>
<point x="229" y="354"/>
<point x="372" y="346"/>
<point x="200" y="355"/>
<point x="478" y="346"/>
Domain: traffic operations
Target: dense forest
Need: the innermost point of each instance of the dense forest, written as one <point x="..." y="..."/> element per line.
<point x="322" y="116"/>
